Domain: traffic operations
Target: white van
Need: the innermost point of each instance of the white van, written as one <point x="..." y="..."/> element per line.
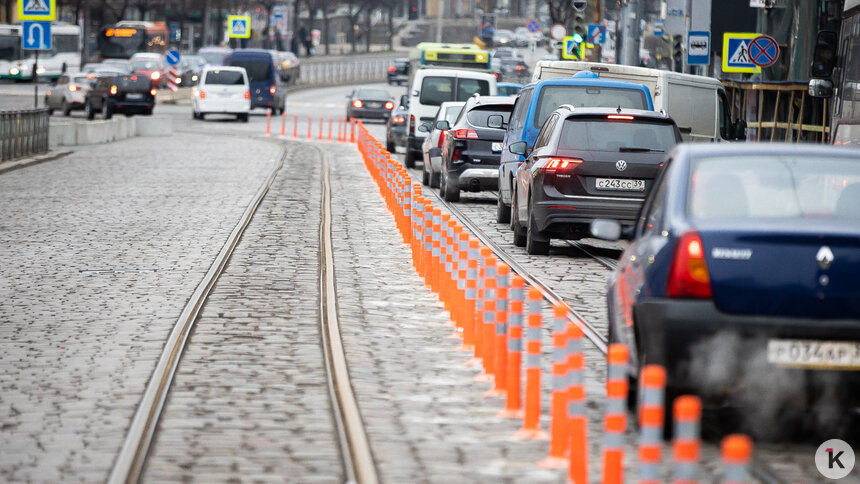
<point x="698" y="104"/>
<point x="430" y="87"/>
<point x="222" y="90"/>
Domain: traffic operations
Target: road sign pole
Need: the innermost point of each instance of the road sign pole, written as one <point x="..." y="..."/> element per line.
<point x="36" y="81"/>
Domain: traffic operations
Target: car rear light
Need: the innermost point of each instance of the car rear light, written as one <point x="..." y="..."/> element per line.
<point x="689" y="277"/>
<point x="392" y="69"/>
<point x="113" y="89"/>
<point x="73" y="87"/>
<point x="202" y="94"/>
<point x="398" y="119"/>
<point x="464" y="133"/>
<point x="389" y="105"/>
<point x="272" y="89"/>
<point x="357" y="103"/>
<point x="519" y="68"/>
<point x="133" y="78"/>
<point x="411" y="124"/>
<point x="155" y="75"/>
<point x="456" y="155"/>
<point x="247" y="94"/>
<point x="442" y="138"/>
<point x="620" y="117"/>
<point x="153" y="91"/>
<point x="560" y="165"/>
<point x="496" y="74"/>
<point x="91" y="76"/>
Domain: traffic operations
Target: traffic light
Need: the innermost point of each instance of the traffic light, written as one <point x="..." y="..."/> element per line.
<point x="579" y="26"/>
<point x="677" y="49"/>
<point x="413" y="9"/>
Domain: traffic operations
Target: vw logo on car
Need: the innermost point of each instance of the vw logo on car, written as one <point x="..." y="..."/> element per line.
<point x="620" y="165"/>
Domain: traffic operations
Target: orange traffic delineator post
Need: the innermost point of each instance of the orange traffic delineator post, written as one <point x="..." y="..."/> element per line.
<point x="513" y="401"/>
<point x="283" y="124"/>
<point x="651" y="413"/>
<point x="269" y="123"/>
<point x="499" y="340"/>
<point x="451" y="241"/>
<point x="687" y="414"/>
<point x="615" y="418"/>
<point x="488" y="317"/>
<point x="469" y="310"/>
<point x="320" y="134"/>
<point x="427" y="251"/>
<point x="310" y="126"/>
<point x="478" y="321"/>
<point x="407" y="214"/>
<point x="330" y="122"/>
<point x="295" y="126"/>
<point x="558" y="437"/>
<point x="462" y="275"/>
<point x="736" y="452"/>
<point x="531" y="422"/>
<point x="352" y="135"/>
<point x="435" y="249"/>
<point x="577" y="420"/>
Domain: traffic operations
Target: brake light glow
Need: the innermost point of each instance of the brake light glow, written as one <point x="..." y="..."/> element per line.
<point x="463" y="133"/>
<point x="392" y="69"/>
<point x="133" y="78"/>
<point x="73" y="87"/>
<point x="272" y="89"/>
<point x="113" y="89"/>
<point x="398" y="120"/>
<point x="519" y="68"/>
<point x="357" y="103"/>
<point x="689" y="276"/>
<point x="412" y="124"/>
<point x="561" y="164"/>
<point x="389" y="105"/>
<point x="620" y="117"/>
<point x="153" y="91"/>
<point x="247" y="94"/>
<point x="496" y="74"/>
<point x="202" y="94"/>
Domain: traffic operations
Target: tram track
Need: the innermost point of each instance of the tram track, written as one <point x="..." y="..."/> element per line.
<point x="353" y="446"/>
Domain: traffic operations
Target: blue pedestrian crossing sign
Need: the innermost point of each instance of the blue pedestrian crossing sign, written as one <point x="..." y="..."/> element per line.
<point x="596" y="34"/>
<point x="736" y="52"/>
<point x="570" y="48"/>
<point x="37" y="9"/>
<point x="239" y="26"/>
<point x="172" y="57"/>
<point x="35" y="35"/>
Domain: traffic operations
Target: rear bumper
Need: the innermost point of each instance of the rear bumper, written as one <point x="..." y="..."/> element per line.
<point x="226" y="106"/>
<point x="569" y="216"/>
<point x="132" y="106"/>
<point x="369" y="113"/>
<point x="724" y="357"/>
<point x="474" y="179"/>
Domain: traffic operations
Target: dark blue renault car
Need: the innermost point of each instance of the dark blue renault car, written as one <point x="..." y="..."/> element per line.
<point x="743" y="279"/>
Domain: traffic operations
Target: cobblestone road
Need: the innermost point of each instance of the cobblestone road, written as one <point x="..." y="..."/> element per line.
<point x="100" y="251"/>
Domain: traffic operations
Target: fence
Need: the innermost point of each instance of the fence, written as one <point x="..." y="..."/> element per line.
<point x="23" y="133"/>
<point x="345" y="71"/>
<point x="779" y="111"/>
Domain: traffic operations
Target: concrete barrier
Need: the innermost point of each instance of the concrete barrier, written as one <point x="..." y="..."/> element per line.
<point x="154" y="126"/>
<point x="105" y="131"/>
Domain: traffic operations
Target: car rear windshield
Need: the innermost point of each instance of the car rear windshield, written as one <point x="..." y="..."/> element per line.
<point x="144" y="64"/>
<point x="775" y="187"/>
<point x="478" y="116"/>
<point x="225" y="77"/>
<point x="551" y="97"/>
<point x="436" y="90"/>
<point x="372" y="93"/>
<point x="133" y="83"/>
<point x="258" y="70"/>
<point x="602" y="134"/>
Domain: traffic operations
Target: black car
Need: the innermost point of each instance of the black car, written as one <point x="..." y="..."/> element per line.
<point x="398" y="72"/>
<point x="395" y="129"/>
<point x="127" y="94"/>
<point x="473" y="146"/>
<point x="514" y="69"/>
<point x="586" y="163"/>
<point x="369" y="103"/>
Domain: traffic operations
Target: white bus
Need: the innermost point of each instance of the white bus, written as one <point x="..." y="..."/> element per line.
<point x="64" y="56"/>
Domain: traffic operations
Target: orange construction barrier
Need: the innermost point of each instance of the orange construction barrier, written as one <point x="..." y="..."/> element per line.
<point x="687" y="414"/>
<point x="736" y="452"/>
<point x="558" y="437"/>
<point x="531" y="423"/>
<point x="513" y="402"/>
<point x="577" y="420"/>
<point x="615" y="418"/>
<point x="651" y="410"/>
<point x="269" y="123"/>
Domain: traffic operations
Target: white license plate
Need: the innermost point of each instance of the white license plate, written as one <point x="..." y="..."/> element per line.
<point x="497" y="147"/>
<point x="620" y="184"/>
<point x="134" y="96"/>
<point x="804" y="353"/>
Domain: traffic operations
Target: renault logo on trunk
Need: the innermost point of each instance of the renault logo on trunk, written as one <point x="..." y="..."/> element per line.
<point x="620" y="165"/>
<point x="824" y="257"/>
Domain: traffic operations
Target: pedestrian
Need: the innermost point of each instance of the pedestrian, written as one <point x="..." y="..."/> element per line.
<point x="305" y="38"/>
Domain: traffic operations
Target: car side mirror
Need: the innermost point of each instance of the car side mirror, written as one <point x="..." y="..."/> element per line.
<point x="605" y="229"/>
<point x="443" y="125"/>
<point x="822" y="88"/>
<point x="739" y="130"/>
<point x="824" y="56"/>
<point x="424" y="127"/>
<point x="518" y="148"/>
<point x="495" y="121"/>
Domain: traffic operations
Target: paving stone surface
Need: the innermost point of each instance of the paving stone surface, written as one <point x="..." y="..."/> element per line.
<point x="100" y="251"/>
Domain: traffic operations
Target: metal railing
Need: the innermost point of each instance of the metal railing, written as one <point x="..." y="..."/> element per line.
<point x="345" y="71"/>
<point x="23" y="133"/>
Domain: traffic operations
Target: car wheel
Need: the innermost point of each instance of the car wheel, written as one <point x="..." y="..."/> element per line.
<point x="425" y="178"/>
<point x="107" y="112"/>
<point x="503" y="213"/>
<point x="452" y="194"/>
<point x="435" y="179"/>
<point x="201" y="116"/>
<point x="390" y="146"/>
<point x="243" y="117"/>
<point x="409" y="159"/>
<point x="536" y="243"/>
<point x="65" y="108"/>
<point x="519" y="232"/>
<point x="148" y="112"/>
<point x="194" y="114"/>
<point x="88" y="110"/>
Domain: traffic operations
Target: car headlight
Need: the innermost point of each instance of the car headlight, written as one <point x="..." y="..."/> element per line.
<point x="178" y="80"/>
<point x="14" y="71"/>
<point x="40" y="70"/>
<point x="194" y="78"/>
<point x="155" y="75"/>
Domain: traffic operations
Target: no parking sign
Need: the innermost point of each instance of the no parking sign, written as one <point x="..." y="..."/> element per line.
<point x="764" y="51"/>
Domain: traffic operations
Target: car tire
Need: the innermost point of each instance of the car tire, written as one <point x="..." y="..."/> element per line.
<point x="390" y="146"/>
<point x="503" y="212"/>
<point x="435" y="179"/>
<point x="534" y="243"/>
<point x="65" y="108"/>
<point x="107" y="112"/>
<point x="88" y="110"/>
<point x="201" y="116"/>
<point x="409" y="159"/>
<point x="519" y="232"/>
<point x="425" y="178"/>
<point x="451" y="194"/>
<point x="148" y="112"/>
<point x="242" y="117"/>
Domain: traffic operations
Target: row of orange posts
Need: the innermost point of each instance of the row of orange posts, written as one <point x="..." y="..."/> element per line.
<point x="498" y="318"/>
<point x="346" y="128"/>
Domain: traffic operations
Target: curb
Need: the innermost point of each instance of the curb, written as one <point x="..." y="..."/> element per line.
<point x="8" y="166"/>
